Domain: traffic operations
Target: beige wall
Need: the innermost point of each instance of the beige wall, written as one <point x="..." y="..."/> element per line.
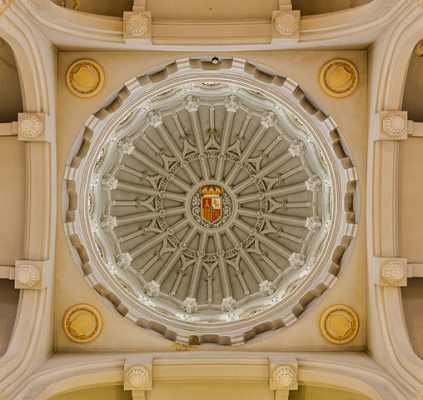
<point x="210" y="391"/>
<point x="411" y="199"/>
<point x="12" y="195"/>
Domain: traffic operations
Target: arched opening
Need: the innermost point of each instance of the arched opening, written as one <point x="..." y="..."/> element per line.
<point x="102" y="7"/>
<point x="410" y="196"/>
<point x="311" y="7"/>
<point x="12" y="192"/>
<point x="206" y="9"/>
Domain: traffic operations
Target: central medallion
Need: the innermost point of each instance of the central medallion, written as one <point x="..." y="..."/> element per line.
<point x="211" y="206"/>
<point x="211" y="203"/>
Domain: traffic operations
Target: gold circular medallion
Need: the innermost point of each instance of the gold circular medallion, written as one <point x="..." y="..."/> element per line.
<point x="339" y="324"/>
<point x="85" y="78"/>
<point x="339" y="78"/>
<point x="82" y="323"/>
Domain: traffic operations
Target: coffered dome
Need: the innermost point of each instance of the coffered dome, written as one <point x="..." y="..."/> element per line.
<point x="210" y="201"/>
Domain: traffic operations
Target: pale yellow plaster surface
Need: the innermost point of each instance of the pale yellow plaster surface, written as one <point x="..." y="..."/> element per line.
<point x="12" y="195"/>
<point x="350" y="114"/>
<point x="210" y="391"/>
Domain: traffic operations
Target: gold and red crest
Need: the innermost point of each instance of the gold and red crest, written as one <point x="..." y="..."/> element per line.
<point x="211" y="203"/>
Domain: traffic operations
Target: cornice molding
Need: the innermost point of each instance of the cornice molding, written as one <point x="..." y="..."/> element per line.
<point x="103" y="32"/>
<point x="350" y="372"/>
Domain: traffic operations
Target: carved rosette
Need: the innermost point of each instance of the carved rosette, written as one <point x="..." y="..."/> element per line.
<point x="393" y="125"/>
<point x="210" y="202"/>
<point x="136" y="24"/>
<point x="137" y="377"/>
<point x="31" y="126"/>
<point x="286" y="23"/>
<point x="393" y="271"/>
<point x="284" y="377"/>
<point x="28" y="275"/>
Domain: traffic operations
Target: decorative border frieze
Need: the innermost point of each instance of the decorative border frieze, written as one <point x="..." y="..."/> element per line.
<point x="32" y="127"/>
<point x="390" y="271"/>
<point x="30" y="274"/>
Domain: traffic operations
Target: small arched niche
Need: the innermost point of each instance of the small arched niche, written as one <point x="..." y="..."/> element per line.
<point x="12" y="191"/>
<point x="312" y="7"/>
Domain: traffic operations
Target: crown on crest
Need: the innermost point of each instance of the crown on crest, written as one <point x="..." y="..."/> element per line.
<point x="211" y="190"/>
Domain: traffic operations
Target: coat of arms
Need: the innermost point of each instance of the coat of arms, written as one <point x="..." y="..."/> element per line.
<point x="211" y="203"/>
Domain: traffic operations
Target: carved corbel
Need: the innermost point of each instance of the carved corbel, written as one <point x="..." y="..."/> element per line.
<point x="30" y="274"/>
<point x="32" y="127"/>
<point x="138" y="377"/>
<point x="390" y="271"/>
<point x="283" y="379"/>
<point x="286" y="22"/>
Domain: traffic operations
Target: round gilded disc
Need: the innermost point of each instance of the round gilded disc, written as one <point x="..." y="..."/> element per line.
<point x="339" y="78"/>
<point x="85" y="78"/>
<point x="82" y="323"/>
<point x="339" y="324"/>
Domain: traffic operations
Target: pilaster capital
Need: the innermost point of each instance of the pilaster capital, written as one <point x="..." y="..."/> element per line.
<point x="32" y="127"/>
<point x="30" y="274"/>
<point x="390" y="271"/>
<point x="393" y="125"/>
<point x="137" y="25"/>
